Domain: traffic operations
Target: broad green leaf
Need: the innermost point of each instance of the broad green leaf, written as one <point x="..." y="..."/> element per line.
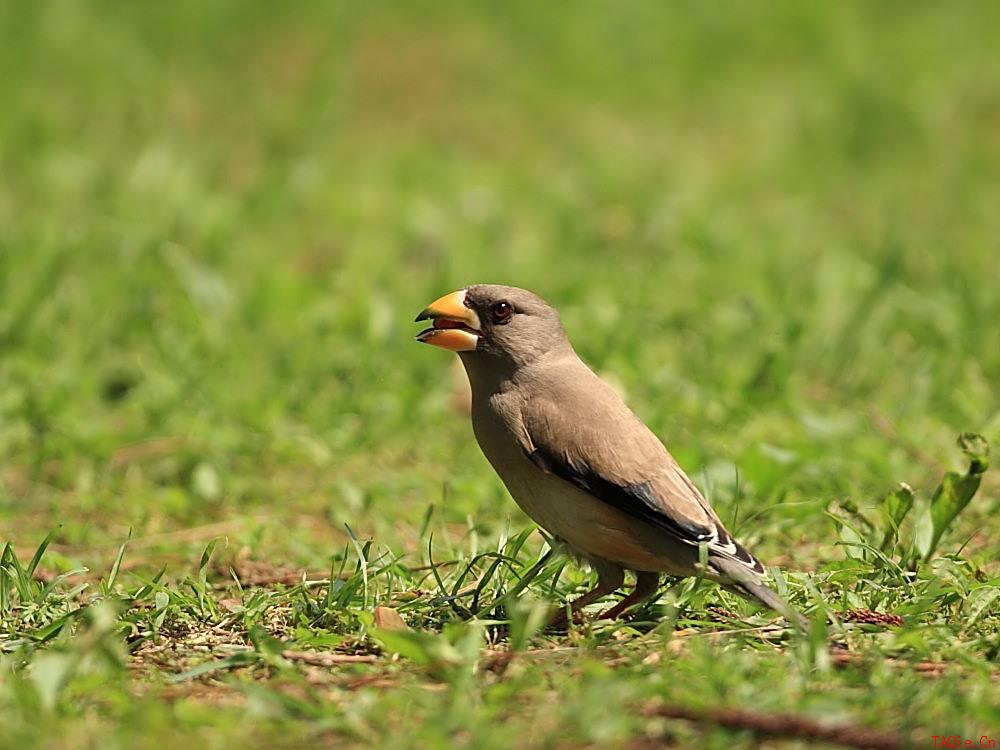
<point x="956" y="490"/>
<point x="895" y="507"/>
<point x="416" y="645"/>
<point x="978" y="602"/>
<point x="205" y="481"/>
<point x="527" y="616"/>
<point x="49" y="673"/>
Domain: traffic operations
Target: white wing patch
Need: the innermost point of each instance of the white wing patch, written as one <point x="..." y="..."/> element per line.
<point x="717" y="539"/>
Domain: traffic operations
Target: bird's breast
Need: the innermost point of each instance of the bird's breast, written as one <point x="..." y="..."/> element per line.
<point x="591" y="527"/>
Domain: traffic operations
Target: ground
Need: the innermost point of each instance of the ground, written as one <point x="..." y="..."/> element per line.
<point x="773" y="227"/>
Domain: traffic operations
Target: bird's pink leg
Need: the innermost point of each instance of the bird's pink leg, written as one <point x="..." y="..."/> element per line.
<point x="645" y="587"/>
<point x="609" y="579"/>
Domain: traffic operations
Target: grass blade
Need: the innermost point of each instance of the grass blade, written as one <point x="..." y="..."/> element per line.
<point x="41" y="551"/>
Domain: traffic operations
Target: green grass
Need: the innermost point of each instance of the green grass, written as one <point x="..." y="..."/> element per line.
<point x="774" y="227"/>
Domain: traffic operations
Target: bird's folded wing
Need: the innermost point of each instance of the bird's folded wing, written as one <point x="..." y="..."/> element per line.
<point x="605" y="450"/>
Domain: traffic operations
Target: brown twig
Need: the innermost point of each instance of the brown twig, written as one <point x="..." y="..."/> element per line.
<point x="329" y="658"/>
<point x="255" y="573"/>
<point x="780" y="725"/>
<point x="193" y="534"/>
<point x="152" y="448"/>
<point x="926" y="668"/>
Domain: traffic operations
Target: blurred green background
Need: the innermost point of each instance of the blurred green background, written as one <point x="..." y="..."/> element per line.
<point x="775" y="226"/>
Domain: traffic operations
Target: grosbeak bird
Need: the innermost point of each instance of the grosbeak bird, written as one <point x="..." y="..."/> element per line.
<point x="576" y="459"/>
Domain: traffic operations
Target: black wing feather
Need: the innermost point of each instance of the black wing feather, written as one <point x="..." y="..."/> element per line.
<point x="634" y="499"/>
<point x="638" y="500"/>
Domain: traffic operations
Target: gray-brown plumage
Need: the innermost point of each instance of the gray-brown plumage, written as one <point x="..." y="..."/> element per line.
<point x="575" y="458"/>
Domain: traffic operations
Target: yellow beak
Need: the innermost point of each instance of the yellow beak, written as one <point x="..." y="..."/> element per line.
<point x="455" y="326"/>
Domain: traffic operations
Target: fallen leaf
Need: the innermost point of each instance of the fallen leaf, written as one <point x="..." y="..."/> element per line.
<point x="386" y="618"/>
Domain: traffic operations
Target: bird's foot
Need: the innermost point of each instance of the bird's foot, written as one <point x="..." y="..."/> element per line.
<point x="559" y="621"/>
<point x="618" y="612"/>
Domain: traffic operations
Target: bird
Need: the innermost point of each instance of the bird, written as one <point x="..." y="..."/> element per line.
<point x="577" y="460"/>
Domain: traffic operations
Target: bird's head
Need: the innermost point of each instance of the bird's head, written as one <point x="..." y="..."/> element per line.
<point x="493" y="321"/>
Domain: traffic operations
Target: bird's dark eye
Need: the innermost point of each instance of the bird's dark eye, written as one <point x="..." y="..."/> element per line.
<point x="502" y="312"/>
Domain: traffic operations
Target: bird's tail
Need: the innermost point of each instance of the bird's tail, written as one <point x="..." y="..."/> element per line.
<point x="733" y="576"/>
